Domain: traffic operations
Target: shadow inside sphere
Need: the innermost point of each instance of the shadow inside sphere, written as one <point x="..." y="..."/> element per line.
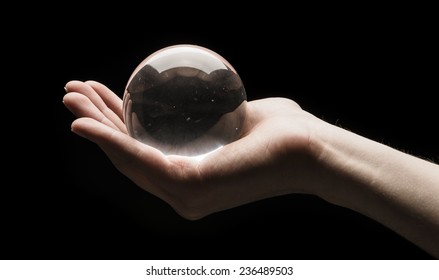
<point x="183" y="110"/>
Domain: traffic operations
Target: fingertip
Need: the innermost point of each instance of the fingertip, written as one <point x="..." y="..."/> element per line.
<point x="68" y="99"/>
<point x="65" y="97"/>
<point x="92" y="82"/>
<point x="76" y="127"/>
<point x="70" y="84"/>
<point x="74" y="124"/>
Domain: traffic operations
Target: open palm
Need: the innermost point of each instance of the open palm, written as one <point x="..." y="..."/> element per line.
<point x="272" y="157"/>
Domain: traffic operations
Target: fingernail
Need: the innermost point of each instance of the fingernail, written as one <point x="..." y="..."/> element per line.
<point x="65" y="89"/>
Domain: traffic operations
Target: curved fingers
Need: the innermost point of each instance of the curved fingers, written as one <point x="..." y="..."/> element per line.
<point x="81" y="106"/>
<point x="102" y="98"/>
<point x="110" y="99"/>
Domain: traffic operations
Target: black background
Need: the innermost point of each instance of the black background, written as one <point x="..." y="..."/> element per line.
<point x="371" y="71"/>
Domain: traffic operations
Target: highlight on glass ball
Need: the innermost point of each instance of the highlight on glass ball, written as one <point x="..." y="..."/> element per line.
<point x="185" y="100"/>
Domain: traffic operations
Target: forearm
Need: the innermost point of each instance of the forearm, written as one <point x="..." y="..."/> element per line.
<point x="396" y="189"/>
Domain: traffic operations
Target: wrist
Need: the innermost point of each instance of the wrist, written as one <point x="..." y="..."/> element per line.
<point x="349" y="164"/>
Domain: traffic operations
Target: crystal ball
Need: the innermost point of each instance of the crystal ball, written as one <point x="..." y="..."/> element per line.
<point x="185" y="100"/>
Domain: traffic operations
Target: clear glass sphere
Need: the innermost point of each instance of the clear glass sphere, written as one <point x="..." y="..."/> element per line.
<point x="185" y="100"/>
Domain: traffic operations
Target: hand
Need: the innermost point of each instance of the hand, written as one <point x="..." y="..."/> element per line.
<point x="272" y="157"/>
<point x="282" y="150"/>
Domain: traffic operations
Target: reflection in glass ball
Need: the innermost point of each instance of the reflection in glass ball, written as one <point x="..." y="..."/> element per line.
<point x="185" y="100"/>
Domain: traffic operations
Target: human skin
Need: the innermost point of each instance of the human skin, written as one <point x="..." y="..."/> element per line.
<point x="282" y="150"/>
